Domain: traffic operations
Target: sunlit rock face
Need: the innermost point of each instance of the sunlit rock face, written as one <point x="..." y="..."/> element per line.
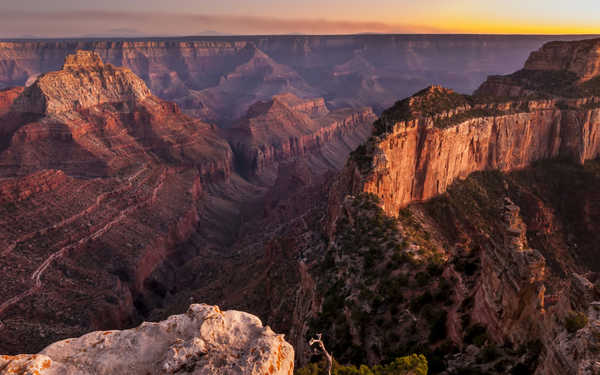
<point x="581" y="58"/>
<point x="203" y="341"/>
<point x="83" y="82"/>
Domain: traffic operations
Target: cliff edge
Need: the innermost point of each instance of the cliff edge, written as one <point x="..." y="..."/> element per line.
<point x="424" y="143"/>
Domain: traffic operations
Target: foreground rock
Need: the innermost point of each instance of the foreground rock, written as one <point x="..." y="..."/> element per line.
<point x="205" y="340"/>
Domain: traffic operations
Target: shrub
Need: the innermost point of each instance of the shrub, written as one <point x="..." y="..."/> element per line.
<point x="476" y="335"/>
<point x="409" y="365"/>
<point x="575" y="321"/>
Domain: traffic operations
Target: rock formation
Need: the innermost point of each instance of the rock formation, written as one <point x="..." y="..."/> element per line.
<point x="489" y="251"/>
<point x="418" y="154"/>
<point x="204" y="340"/>
<point x="100" y="181"/>
<point x="430" y="238"/>
<point x="559" y="69"/>
<point x="580" y="57"/>
<point x="287" y="128"/>
<point x="72" y="87"/>
<point x="218" y="79"/>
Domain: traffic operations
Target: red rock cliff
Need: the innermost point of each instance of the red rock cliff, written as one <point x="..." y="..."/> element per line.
<point x="426" y="142"/>
<point x="417" y="160"/>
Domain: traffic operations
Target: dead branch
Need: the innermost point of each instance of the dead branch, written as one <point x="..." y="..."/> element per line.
<point x="322" y="346"/>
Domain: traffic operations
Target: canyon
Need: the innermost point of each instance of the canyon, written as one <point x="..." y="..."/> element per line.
<point x="458" y="226"/>
<point x="107" y="187"/>
<point x="206" y="76"/>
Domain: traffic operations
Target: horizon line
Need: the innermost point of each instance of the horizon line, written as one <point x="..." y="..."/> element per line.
<point x="225" y="35"/>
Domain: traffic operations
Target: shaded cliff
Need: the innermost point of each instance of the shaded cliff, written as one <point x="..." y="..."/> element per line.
<point x="288" y="128"/>
<point x="450" y="232"/>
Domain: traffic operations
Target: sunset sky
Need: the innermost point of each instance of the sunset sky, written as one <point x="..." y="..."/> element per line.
<point x="73" y="18"/>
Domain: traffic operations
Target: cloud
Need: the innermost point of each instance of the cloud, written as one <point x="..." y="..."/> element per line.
<point x="85" y="23"/>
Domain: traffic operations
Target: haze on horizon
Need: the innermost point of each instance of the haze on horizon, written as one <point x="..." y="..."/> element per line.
<point x="130" y="18"/>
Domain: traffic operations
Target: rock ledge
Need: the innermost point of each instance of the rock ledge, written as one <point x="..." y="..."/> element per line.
<point x="204" y="340"/>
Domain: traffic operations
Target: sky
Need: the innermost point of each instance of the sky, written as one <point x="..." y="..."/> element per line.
<point x="85" y="18"/>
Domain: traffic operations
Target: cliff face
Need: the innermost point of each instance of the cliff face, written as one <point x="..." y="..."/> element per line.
<point x="449" y="227"/>
<point x="204" y="340"/>
<point x="418" y="160"/>
<point x="288" y="128"/>
<point x="563" y="69"/>
<point x="87" y="110"/>
<point x="83" y="82"/>
<point x="581" y="58"/>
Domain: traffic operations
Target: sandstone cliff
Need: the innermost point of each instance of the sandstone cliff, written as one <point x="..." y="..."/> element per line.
<point x="580" y="57"/>
<point x="83" y="82"/>
<point x="92" y="110"/>
<point x="419" y="156"/>
<point x="563" y="69"/>
<point x="204" y="340"/>
<point x="479" y="268"/>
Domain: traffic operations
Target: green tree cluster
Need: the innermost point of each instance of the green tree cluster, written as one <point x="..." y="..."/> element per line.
<point x="409" y="365"/>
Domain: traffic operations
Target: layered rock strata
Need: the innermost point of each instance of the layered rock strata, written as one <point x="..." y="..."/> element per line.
<point x="420" y="157"/>
<point x="288" y="128"/>
<point x="219" y="78"/>
<point x="99" y="183"/>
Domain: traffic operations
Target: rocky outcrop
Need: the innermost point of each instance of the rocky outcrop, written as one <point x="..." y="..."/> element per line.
<point x="580" y="57"/>
<point x="563" y="69"/>
<point x="7" y="98"/>
<point x="288" y="128"/>
<point x="502" y="262"/>
<point x="88" y="110"/>
<point x="204" y="340"/>
<point x="510" y="296"/>
<point x="83" y="82"/>
<point x="418" y="158"/>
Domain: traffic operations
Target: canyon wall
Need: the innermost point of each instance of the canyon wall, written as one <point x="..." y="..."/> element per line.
<point x="100" y="181"/>
<point x="581" y="58"/>
<point x="288" y="128"/>
<point x="218" y="78"/>
<point x="417" y="160"/>
<point x="479" y="188"/>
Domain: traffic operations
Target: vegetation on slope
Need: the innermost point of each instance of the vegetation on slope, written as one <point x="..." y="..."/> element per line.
<point x="396" y="286"/>
<point x="384" y="296"/>
<point x="408" y="365"/>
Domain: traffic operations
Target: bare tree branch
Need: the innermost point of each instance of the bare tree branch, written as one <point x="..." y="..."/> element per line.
<point x="322" y="346"/>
